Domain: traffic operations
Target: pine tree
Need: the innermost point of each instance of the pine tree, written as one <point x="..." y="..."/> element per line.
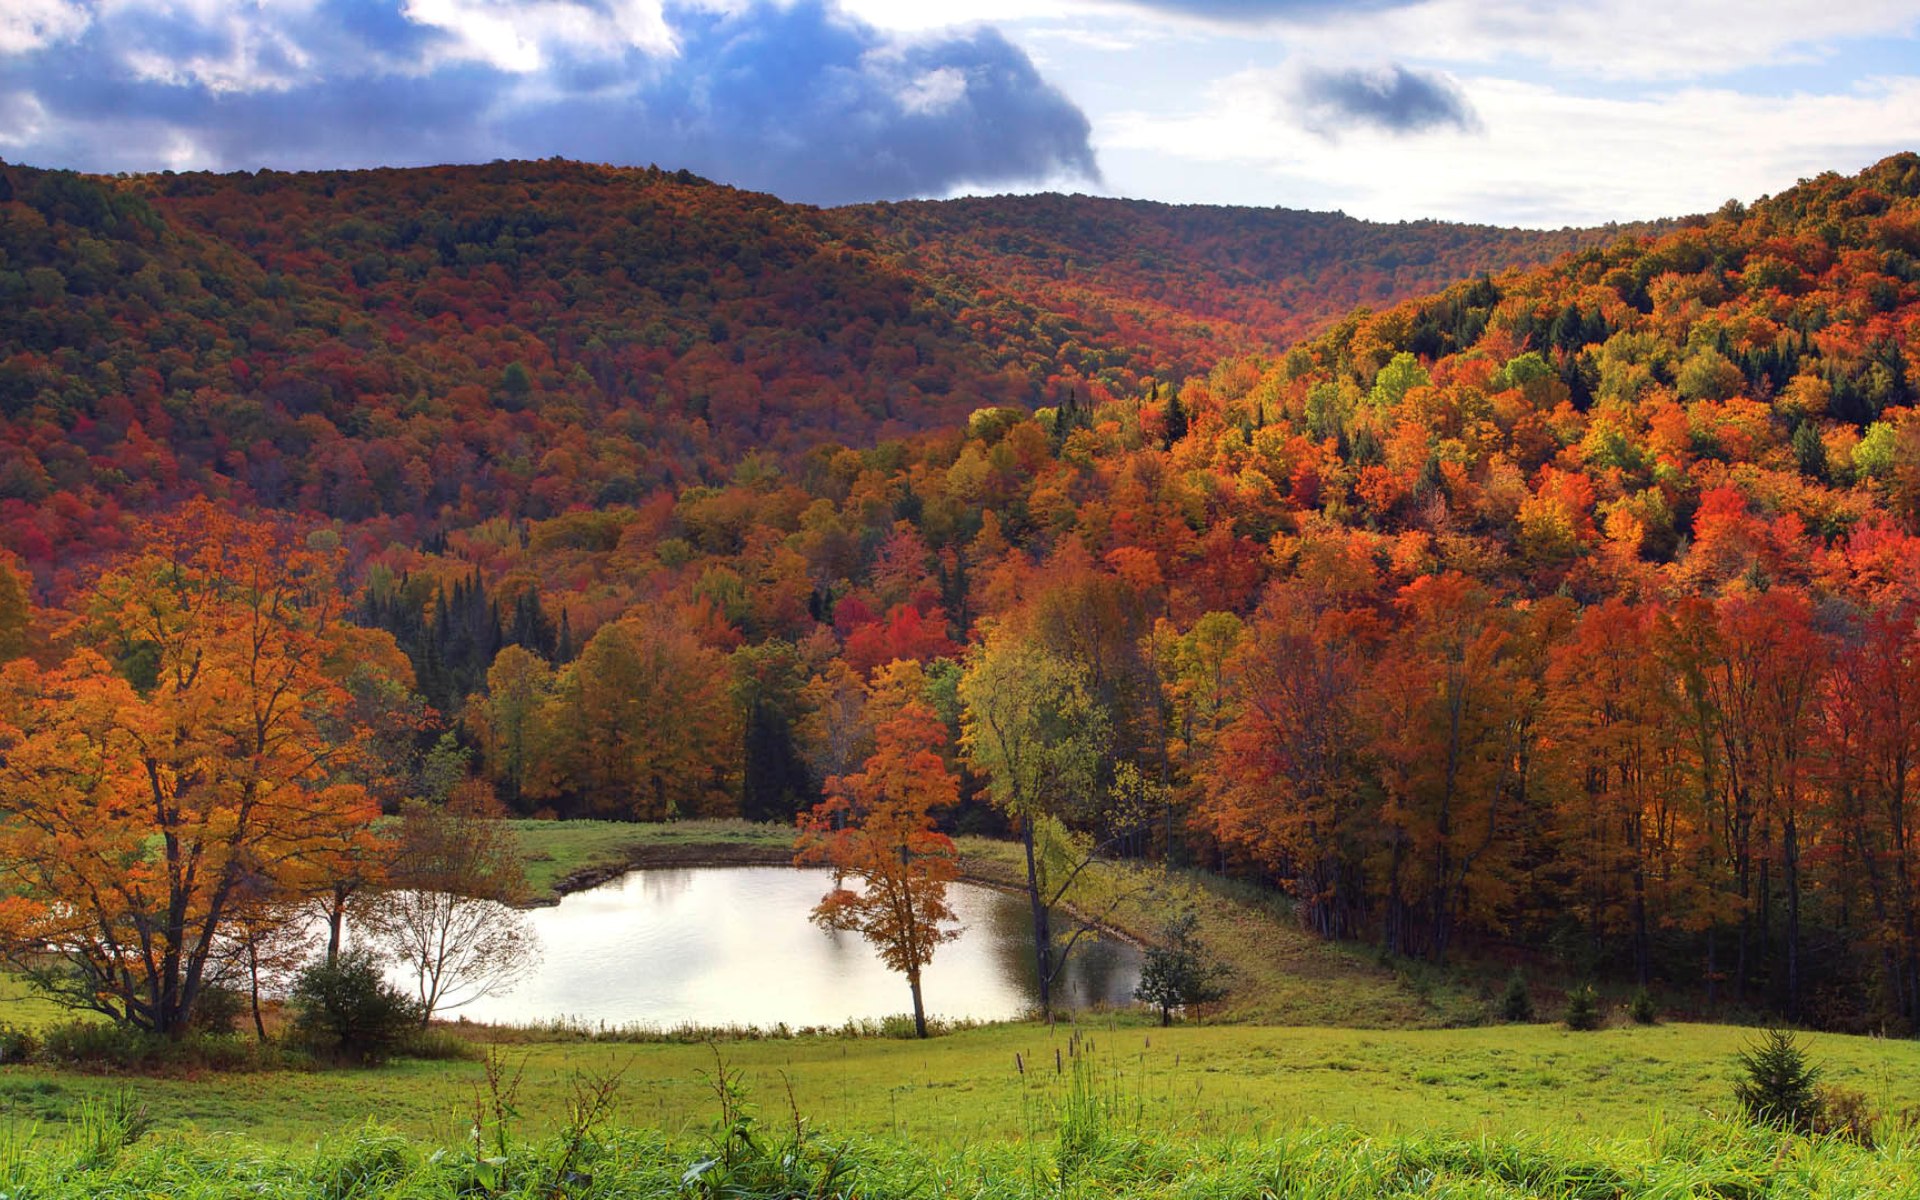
<point x="1583" y="1008"/>
<point x="1517" y="1004"/>
<point x="1778" y="1088"/>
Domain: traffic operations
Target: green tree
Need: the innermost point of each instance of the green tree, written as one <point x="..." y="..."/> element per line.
<point x="1180" y="971"/>
<point x="1777" y="1083"/>
<point x="1032" y="727"/>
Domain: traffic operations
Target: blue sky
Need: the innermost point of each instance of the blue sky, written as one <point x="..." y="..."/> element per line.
<point x="1505" y="111"/>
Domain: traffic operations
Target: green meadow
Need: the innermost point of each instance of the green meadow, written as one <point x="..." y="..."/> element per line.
<point x="1327" y="1073"/>
<point x="1001" y="1082"/>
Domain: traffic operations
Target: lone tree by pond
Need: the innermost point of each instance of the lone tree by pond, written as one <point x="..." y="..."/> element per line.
<point x="876" y="827"/>
<point x="447" y="916"/>
<point x="1032" y="727"/>
<point x="1180" y="972"/>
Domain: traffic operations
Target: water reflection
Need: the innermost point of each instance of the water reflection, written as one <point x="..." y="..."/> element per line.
<point x="733" y="945"/>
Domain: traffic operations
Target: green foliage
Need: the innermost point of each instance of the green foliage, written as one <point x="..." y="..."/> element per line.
<point x="347" y="1008"/>
<point x="16" y="1044"/>
<point x="1777" y="1083"/>
<point x="1642" y="1009"/>
<point x="1180" y="971"/>
<point x="1400" y="376"/>
<point x="1873" y="455"/>
<point x="1516" y="1003"/>
<point x="1583" y="1008"/>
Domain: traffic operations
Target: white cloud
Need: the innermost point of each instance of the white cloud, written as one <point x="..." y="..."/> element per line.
<point x="30" y="24"/>
<point x="522" y="36"/>
<point x="935" y="92"/>
<point x="1544" y="158"/>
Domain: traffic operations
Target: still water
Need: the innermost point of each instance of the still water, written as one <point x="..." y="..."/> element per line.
<point x="733" y="945"/>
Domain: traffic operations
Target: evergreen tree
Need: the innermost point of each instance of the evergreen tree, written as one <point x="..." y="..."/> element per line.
<point x="1180" y="971"/>
<point x="1778" y="1084"/>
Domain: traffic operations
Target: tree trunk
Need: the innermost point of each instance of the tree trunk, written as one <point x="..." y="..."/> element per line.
<point x="919" y="1012"/>
<point x="1042" y="929"/>
<point x="1791" y="844"/>
<point x="253" y="986"/>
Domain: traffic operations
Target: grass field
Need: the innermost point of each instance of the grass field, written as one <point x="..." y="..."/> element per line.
<point x="1326" y="1074"/>
<point x="1085" y="1152"/>
<point x="1201" y="1081"/>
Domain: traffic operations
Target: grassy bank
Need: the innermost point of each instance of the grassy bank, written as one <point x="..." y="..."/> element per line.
<point x="1209" y="1081"/>
<point x="563" y="856"/>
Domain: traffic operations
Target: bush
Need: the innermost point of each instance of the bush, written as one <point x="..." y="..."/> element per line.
<point x="1583" y="1008"/>
<point x="217" y="1010"/>
<point x="348" y="1009"/>
<point x="97" y="1043"/>
<point x="1845" y="1113"/>
<point x="16" y="1044"/>
<point x="1517" y="1004"/>
<point x="123" y="1047"/>
<point x="1777" y="1087"/>
<point x="1641" y="1008"/>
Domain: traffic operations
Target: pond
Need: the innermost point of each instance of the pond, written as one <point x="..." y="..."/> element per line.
<point x="734" y="946"/>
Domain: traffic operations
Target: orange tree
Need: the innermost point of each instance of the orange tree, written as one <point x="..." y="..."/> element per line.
<point x="182" y="763"/>
<point x="875" y="826"/>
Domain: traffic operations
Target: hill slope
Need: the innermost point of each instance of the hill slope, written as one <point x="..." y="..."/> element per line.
<point x="435" y="346"/>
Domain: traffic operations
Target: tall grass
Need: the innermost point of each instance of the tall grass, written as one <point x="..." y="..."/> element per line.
<point x="743" y="1160"/>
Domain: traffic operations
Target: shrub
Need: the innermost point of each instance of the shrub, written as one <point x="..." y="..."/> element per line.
<point x="347" y="1008"/>
<point x="124" y="1047"/>
<point x="1583" y="1008"/>
<point x="218" y="1010"/>
<point x="1844" y="1112"/>
<point x="16" y="1044"/>
<point x="1641" y="1008"/>
<point x="1517" y="1004"/>
<point x="1777" y="1087"/>
<point x="97" y="1043"/>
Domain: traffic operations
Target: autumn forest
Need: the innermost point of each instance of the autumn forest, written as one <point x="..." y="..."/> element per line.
<point x="1500" y="596"/>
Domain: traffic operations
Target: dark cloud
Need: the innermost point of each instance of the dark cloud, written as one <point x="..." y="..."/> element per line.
<point x="798" y="100"/>
<point x="1394" y="98"/>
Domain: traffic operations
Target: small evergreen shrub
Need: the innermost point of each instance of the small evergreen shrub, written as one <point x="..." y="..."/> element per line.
<point x="1777" y="1083"/>
<point x="1517" y="1004"/>
<point x="1583" y="1008"/>
<point x="1641" y="1008"/>
<point x="347" y="1008"/>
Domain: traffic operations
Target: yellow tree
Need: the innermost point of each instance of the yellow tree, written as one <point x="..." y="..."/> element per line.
<point x="180" y="765"/>
<point x="876" y="827"/>
<point x="644" y="727"/>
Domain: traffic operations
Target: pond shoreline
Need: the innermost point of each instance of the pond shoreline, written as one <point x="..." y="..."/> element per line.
<point x="643" y="856"/>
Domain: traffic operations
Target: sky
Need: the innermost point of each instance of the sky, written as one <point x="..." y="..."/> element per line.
<point x="1512" y="112"/>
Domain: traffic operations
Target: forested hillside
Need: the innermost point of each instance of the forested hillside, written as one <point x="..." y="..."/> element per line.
<point x="1184" y="286"/>
<point x="424" y="349"/>
<point x="1573" y="605"/>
